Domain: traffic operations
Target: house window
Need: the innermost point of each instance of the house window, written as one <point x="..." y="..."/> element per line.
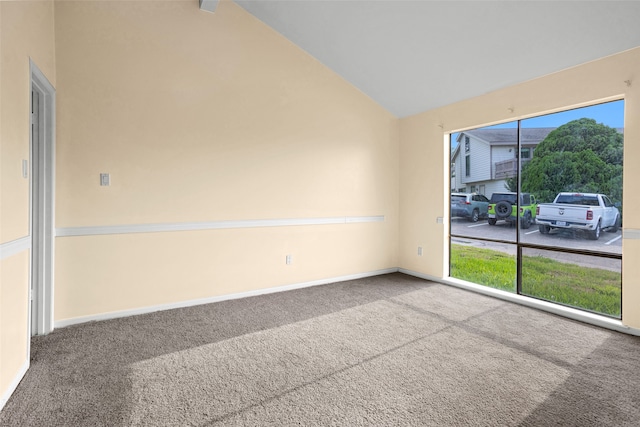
<point x="467" y="144"/>
<point x="541" y="253"/>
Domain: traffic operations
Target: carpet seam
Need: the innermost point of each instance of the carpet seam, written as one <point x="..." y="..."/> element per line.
<point x="323" y="377"/>
<point x="464" y="325"/>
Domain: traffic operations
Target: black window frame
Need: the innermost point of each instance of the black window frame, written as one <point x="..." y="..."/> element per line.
<point x="523" y="245"/>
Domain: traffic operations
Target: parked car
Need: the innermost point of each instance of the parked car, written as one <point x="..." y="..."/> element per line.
<point x="503" y="206"/>
<point x="469" y="205"/>
<point x="589" y="212"/>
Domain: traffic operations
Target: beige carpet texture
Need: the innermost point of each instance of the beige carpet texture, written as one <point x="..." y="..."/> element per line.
<point x="389" y="350"/>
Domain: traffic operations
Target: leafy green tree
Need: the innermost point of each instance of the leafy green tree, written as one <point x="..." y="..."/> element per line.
<point x="511" y="184"/>
<point x="581" y="156"/>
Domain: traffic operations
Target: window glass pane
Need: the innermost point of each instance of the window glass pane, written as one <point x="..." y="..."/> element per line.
<point x="587" y="282"/>
<point x="485" y="263"/>
<point x="550" y="186"/>
<point x="484" y="165"/>
<point x="575" y="169"/>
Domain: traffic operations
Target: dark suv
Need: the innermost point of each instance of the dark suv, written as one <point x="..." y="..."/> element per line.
<point x="503" y="206"/>
<point x="469" y="205"/>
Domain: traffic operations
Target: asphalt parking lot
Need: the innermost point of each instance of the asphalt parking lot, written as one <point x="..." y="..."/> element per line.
<point x="608" y="242"/>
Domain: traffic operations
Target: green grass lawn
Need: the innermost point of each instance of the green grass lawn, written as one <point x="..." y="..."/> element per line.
<point x="592" y="289"/>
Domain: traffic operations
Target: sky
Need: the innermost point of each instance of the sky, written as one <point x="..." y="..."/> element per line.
<point x="610" y="114"/>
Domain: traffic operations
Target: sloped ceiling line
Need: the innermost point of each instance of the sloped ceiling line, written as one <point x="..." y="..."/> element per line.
<point x="413" y="56"/>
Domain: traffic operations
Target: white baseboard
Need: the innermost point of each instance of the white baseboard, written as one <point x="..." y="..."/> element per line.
<point x="583" y="316"/>
<point x="571" y="313"/>
<point x="190" y="303"/>
<point x="14" y="384"/>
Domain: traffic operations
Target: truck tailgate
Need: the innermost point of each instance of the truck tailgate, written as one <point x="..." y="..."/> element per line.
<point x="563" y="213"/>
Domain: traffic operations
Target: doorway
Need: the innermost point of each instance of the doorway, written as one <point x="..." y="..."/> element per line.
<point x="42" y="141"/>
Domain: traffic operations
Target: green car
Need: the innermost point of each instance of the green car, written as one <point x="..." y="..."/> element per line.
<point x="502" y="206"/>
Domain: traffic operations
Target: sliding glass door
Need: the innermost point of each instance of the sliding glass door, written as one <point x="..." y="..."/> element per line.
<point x="536" y="207"/>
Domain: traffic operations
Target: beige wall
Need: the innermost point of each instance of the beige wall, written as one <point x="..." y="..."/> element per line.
<point x="26" y="31"/>
<point x="208" y="117"/>
<point x="139" y="270"/>
<point x="424" y="165"/>
<point x="14" y="294"/>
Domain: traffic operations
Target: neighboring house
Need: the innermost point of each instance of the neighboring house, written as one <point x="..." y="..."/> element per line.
<point x="485" y="158"/>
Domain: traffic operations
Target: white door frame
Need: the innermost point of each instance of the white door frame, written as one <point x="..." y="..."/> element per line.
<point x="41" y="216"/>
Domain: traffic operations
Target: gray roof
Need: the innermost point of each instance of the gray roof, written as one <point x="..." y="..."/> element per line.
<point x="529" y="136"/>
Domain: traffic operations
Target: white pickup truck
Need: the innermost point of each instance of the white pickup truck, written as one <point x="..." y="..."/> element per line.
<point x="589" y="212"/>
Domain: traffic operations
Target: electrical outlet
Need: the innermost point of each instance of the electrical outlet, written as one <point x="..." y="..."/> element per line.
<point x="288" y="259"/>
<point x="419" y="250"/>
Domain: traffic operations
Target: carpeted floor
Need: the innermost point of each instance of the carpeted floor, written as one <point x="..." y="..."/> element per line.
<point x="384" y="351"/>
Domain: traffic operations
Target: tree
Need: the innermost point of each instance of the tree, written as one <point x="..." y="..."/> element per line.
<point x="581" y="156"/>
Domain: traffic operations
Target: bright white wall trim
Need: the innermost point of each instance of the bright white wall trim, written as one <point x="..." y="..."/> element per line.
<point x="571" y="313"/>
<point x="14" y="247"/>
<point x="42" y="204"/>
<point x="190" y="303"/>
<point x="630" y="233"/>
<point x="14" y="384"/>
<point x="211" y="225"/>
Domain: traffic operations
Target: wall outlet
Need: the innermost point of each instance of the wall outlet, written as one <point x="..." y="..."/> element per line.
<point x="419" y="250"/>
<point x="439" y="220"/>
<point x="288" y="260"/>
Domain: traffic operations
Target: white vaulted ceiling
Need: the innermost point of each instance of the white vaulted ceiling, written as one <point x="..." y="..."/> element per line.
<point x="412" y="56"/>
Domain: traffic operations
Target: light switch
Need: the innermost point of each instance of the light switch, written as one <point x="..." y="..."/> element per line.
<point x="105" y="179"/>
<point x="25" y="169"/>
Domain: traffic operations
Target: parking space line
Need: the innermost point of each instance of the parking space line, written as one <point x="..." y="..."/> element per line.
<point x="478" y="225"/>
<point x="531" y="232"/>
<point x="613" y="240"/>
